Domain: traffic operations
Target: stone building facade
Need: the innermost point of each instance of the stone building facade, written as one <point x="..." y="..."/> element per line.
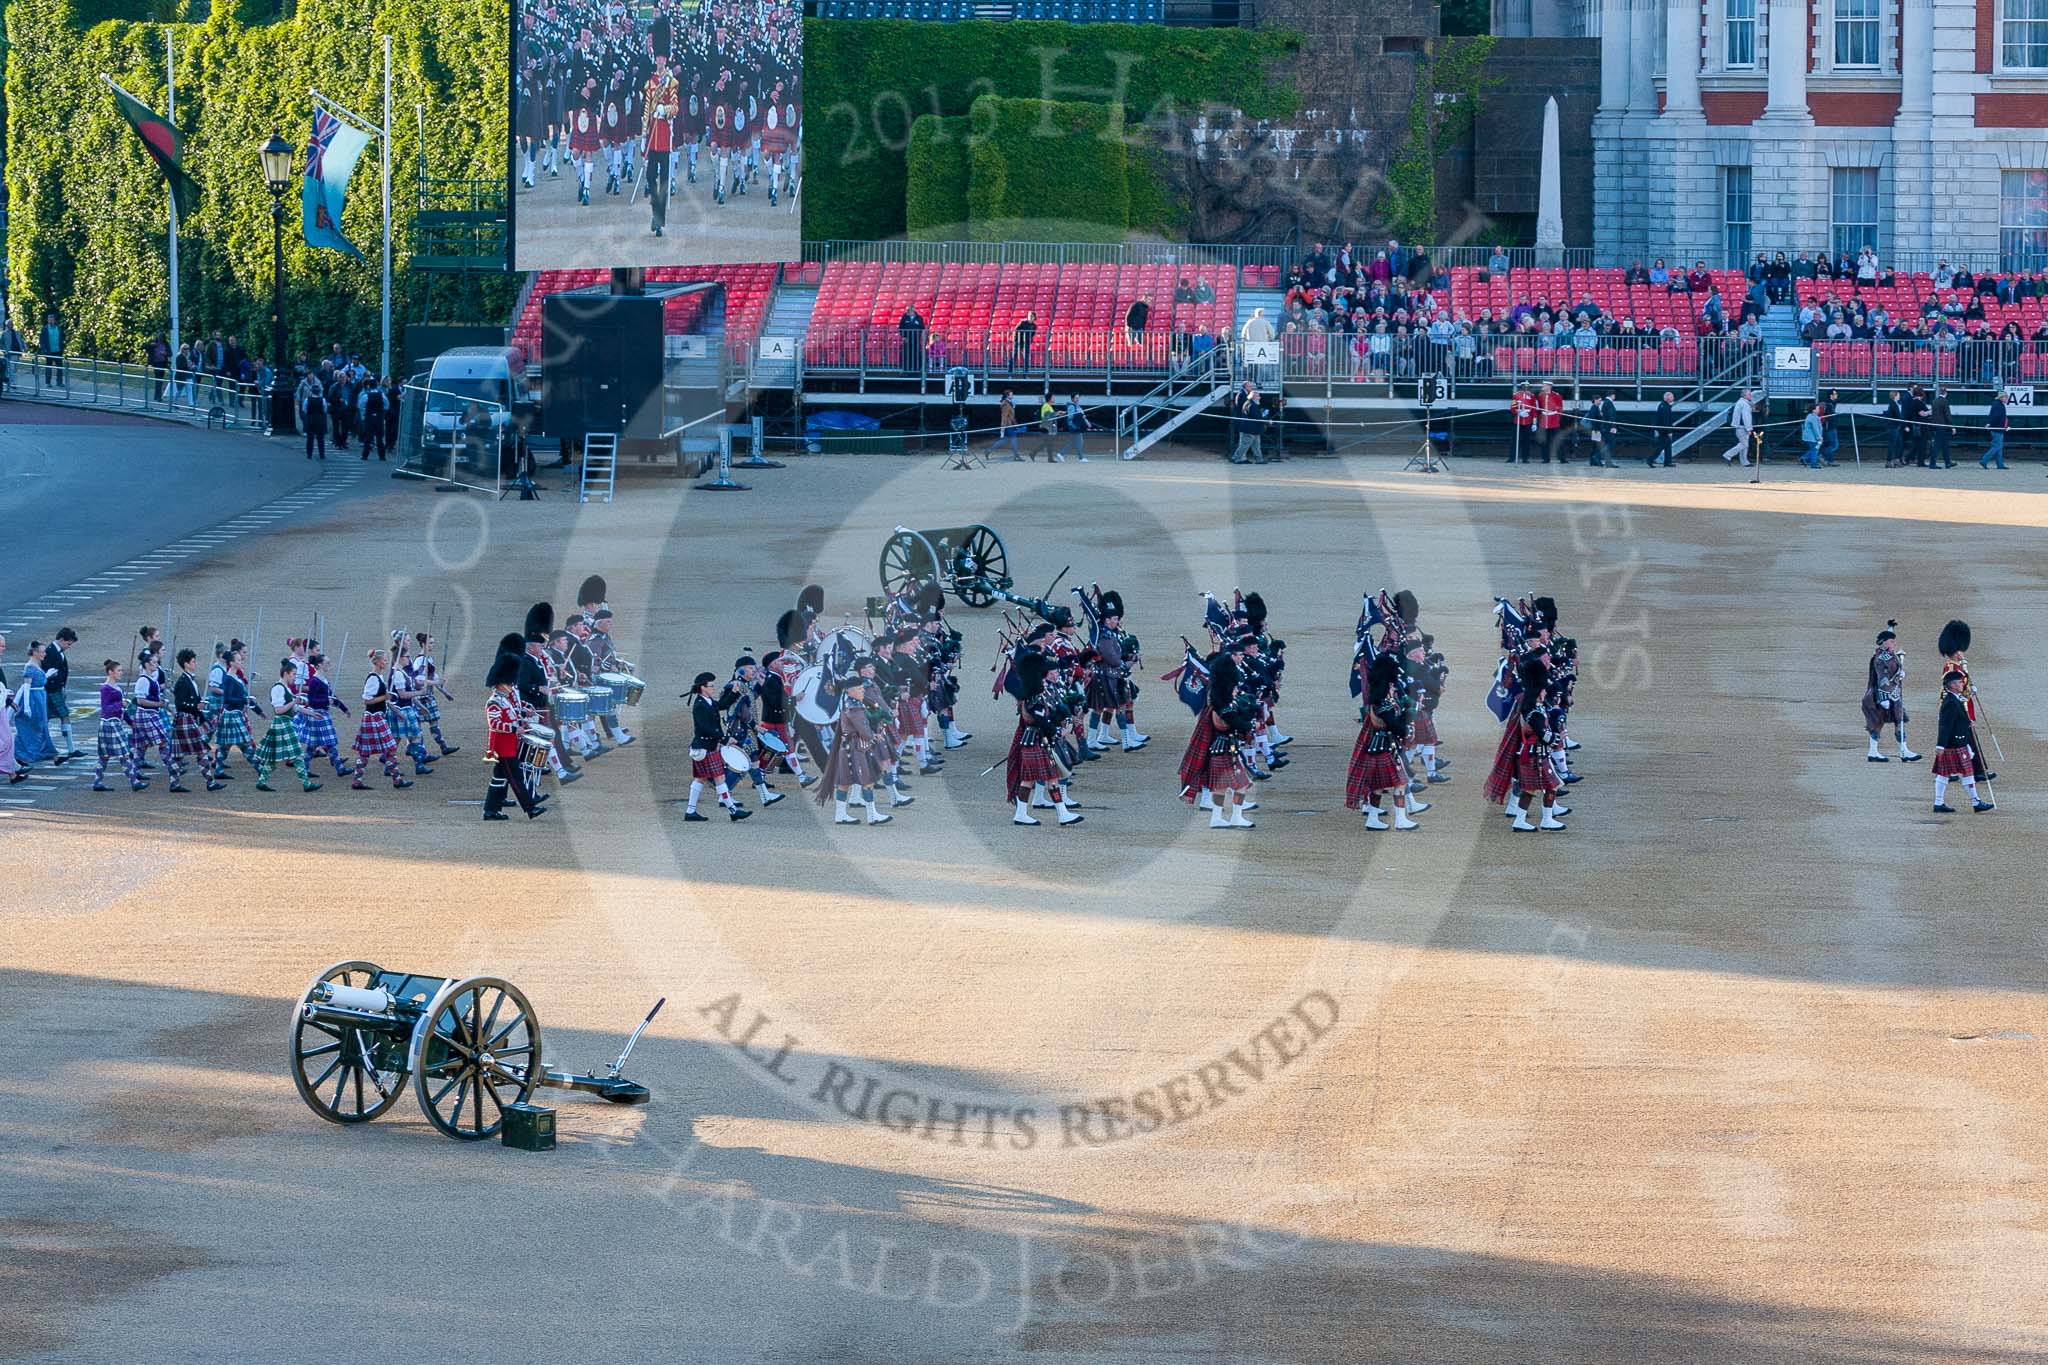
<point x="1919" y="127"/>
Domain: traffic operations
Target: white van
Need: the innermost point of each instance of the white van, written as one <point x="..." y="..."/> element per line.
<point x="470" y="389"/>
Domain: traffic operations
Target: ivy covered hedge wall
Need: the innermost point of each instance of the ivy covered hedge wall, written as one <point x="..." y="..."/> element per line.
<point x="88" y="223"/>
<point x="936" y="206"/>
<point x="867" y="82"/>
<point x="1048" y="171"/>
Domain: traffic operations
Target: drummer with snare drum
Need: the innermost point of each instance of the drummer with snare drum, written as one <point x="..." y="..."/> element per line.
<point x="613" y="671"/>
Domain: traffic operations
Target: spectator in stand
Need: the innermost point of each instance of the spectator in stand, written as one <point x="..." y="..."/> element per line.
<point x="1713" y="312"/>
<point x="1256" y="327"/>
<point x="1824" y="267"/>
<point x="1996" y="423"/>
<point x="1866" y="267"/>
<point x="910" y="332"/>
<point x="1741" y="421"/>
<point x="1660" y="274"/>
<point x="1805" y="268"/>
<point x="1020" y="340"/>
<point x="1944" y="278"/>
<point x="1183" y="292"/>
<point x="1778" y="279"/>
<point x="1636" y="273"/>
<point x="1498" y="263"/>
<point x="1204" y="291"/>
<point x="1698" y="280"/>
<point x="158" y="356"/>
<point x="1810" y="438"/>
<point x="1135" y="318"/>
<point x="1381" y="269"/>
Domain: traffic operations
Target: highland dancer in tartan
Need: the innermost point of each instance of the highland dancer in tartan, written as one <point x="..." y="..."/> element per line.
<point x="404" y="713"/>
<point x="148" y="728"/>
<point x="231" y="730"/>
<point x="426" y="682"/>
<point x="188" y="723"/>
<point x="1884" y="695"/>
<point x="117" y="743"/>
<point x="1375" y="778"/>
<point x="316" y="724"/>
<point x="1955" y="752"/>
<point x="281" y="745"/>
<point x="373" y="736"/>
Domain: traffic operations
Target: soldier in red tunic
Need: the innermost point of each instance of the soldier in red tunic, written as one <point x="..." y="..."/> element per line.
<point x="502" y="717"/>
<point x="658" y="103"/>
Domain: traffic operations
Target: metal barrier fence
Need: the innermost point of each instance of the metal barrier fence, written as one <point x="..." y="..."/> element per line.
<point x="457" y="438"/>
<point x="115" y="386"/>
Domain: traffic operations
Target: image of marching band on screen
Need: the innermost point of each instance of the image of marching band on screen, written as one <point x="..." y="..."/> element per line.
<point x="650" y="135"/>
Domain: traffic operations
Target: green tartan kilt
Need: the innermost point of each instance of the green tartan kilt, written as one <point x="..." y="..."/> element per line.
<point x="280" y="747"/>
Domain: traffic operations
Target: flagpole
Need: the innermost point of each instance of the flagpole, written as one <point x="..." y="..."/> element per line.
<point x="384" y="368"/>
<point x="171" y="117"/>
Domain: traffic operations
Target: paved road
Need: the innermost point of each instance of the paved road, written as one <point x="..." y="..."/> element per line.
<point x="85" y="494"/>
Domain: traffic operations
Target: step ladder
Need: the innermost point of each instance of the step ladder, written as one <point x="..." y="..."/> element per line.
<point x="600" y="465"/>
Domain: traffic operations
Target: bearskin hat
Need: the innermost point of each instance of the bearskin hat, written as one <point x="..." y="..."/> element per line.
<point x="1955" y="638"/>
<point x="1222" y="680"/>
<point x="1546" y="611"/>
<point x="540" y="619"/>
<point x="1112" y="604"/>
<point x="789" y="629"/>
<point x="1255" y="610"/>
<point x="1406" y="607"/>
<point x="811" y="600"/>
<point x="1031" y="668"/>
<point x="1385" y="668"/>
<point x="1535" y="676"/>
<point x="591" y="591"/>
<point x="930" y="601"/>
<point x="504" y="669"/>
<point x="512" y="643"/>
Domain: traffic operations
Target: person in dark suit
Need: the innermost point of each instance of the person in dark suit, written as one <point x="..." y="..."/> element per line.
<point x="1020" y="341"/>
<point x="1895" y="431"/>
<point x="1940" y="430"/>
<point x="1996" y="423"/>
<point x="1663" y="424"/>
<point x="911" y="328"/>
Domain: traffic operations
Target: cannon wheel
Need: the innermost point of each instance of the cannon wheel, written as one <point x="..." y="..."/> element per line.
<point x="907" y="555"/>
<point x="980" y="565"/>
<point x="475" y="1050"/>
<point x="325" y="1053"/>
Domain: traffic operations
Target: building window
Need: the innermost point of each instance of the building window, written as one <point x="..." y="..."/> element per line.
<point x="1853" y="209"/>
<point x="2024" y="35"/>
<point x="1735" y="235"/>
<point x="2023" y="220"/>
<point x="1741" y="26"/>
<point x="1856" y="33"/>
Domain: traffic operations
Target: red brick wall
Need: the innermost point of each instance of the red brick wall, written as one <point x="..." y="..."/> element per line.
<point x="2012" y="111"/>
<point x="1733" y="108"/>
<point x="1853" y="108"/>
<point x="1987" y="29"/>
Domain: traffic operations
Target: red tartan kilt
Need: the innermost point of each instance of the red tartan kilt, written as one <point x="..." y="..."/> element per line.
<point x="1955" y="761"/>
<point x="1030" y="764"/>
<point x="1423" y="729"/>
<point x="1370" y="773"/>
<point x="1502" y="775"/>
<point x="710" y="768"/>
<point x="1535" y="772"/>
<point x="1194" y="760"/>
<point x="585" y="143"/>
<point x="910" y="718"/>
<point x="188" y="735"/>
<point x="373" y="736"/>
<point x="1226" y="773"/>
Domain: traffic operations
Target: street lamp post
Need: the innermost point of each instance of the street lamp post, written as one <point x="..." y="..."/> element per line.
<point x="276" y="156"/>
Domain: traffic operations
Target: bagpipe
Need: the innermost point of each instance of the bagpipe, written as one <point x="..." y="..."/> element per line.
<point x="1190" y="680"/>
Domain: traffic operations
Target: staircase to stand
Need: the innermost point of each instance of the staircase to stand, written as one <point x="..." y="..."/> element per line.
<point x="1175" y="402"/>
<point x="788" y="317"/>
<point x="600" y="466"/>
<point x="1781" y="328"/>
<point x="1715" y="395"/>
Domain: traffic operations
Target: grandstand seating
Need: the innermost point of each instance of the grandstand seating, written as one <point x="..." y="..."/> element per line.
<point x="748" y="292"/>
<point x="947" y="11"/>
<point x="1080" y="308"/>
<point x="1645" y="303"/>
<point x="1905" y="299"/>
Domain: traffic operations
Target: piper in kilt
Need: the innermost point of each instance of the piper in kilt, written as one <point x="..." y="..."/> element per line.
<point x="1427" y="672"/>
<point x="188" y="723"/>
<point x="1228" y="721"/>
<point x="1376" y="777"/>
<point x="1955" y="753"/>
<point x="1884" y="695"/>
<point x="117" y="743"/>
<point x="705" y="736"/>
<point x="231" y="729"/>
<point x="281" y="744"/>
<point x="1030" y="762"/>
<point x="316" y="723"/>
<point x="1535" y="774"/>
<point x="373" y="736"/>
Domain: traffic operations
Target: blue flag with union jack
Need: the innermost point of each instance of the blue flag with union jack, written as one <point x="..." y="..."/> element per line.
<point x="331" y="158"/>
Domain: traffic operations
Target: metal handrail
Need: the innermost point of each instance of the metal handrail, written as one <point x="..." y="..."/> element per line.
<point x="118" y="386"/>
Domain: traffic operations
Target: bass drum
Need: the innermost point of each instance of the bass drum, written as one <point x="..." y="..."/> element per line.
<point x="816" y="702"/>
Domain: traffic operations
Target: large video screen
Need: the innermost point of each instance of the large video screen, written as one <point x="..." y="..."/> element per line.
<point x="651" y="135"/>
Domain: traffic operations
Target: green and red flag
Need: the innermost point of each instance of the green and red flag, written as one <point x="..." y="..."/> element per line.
<point x="164" y="143"/>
